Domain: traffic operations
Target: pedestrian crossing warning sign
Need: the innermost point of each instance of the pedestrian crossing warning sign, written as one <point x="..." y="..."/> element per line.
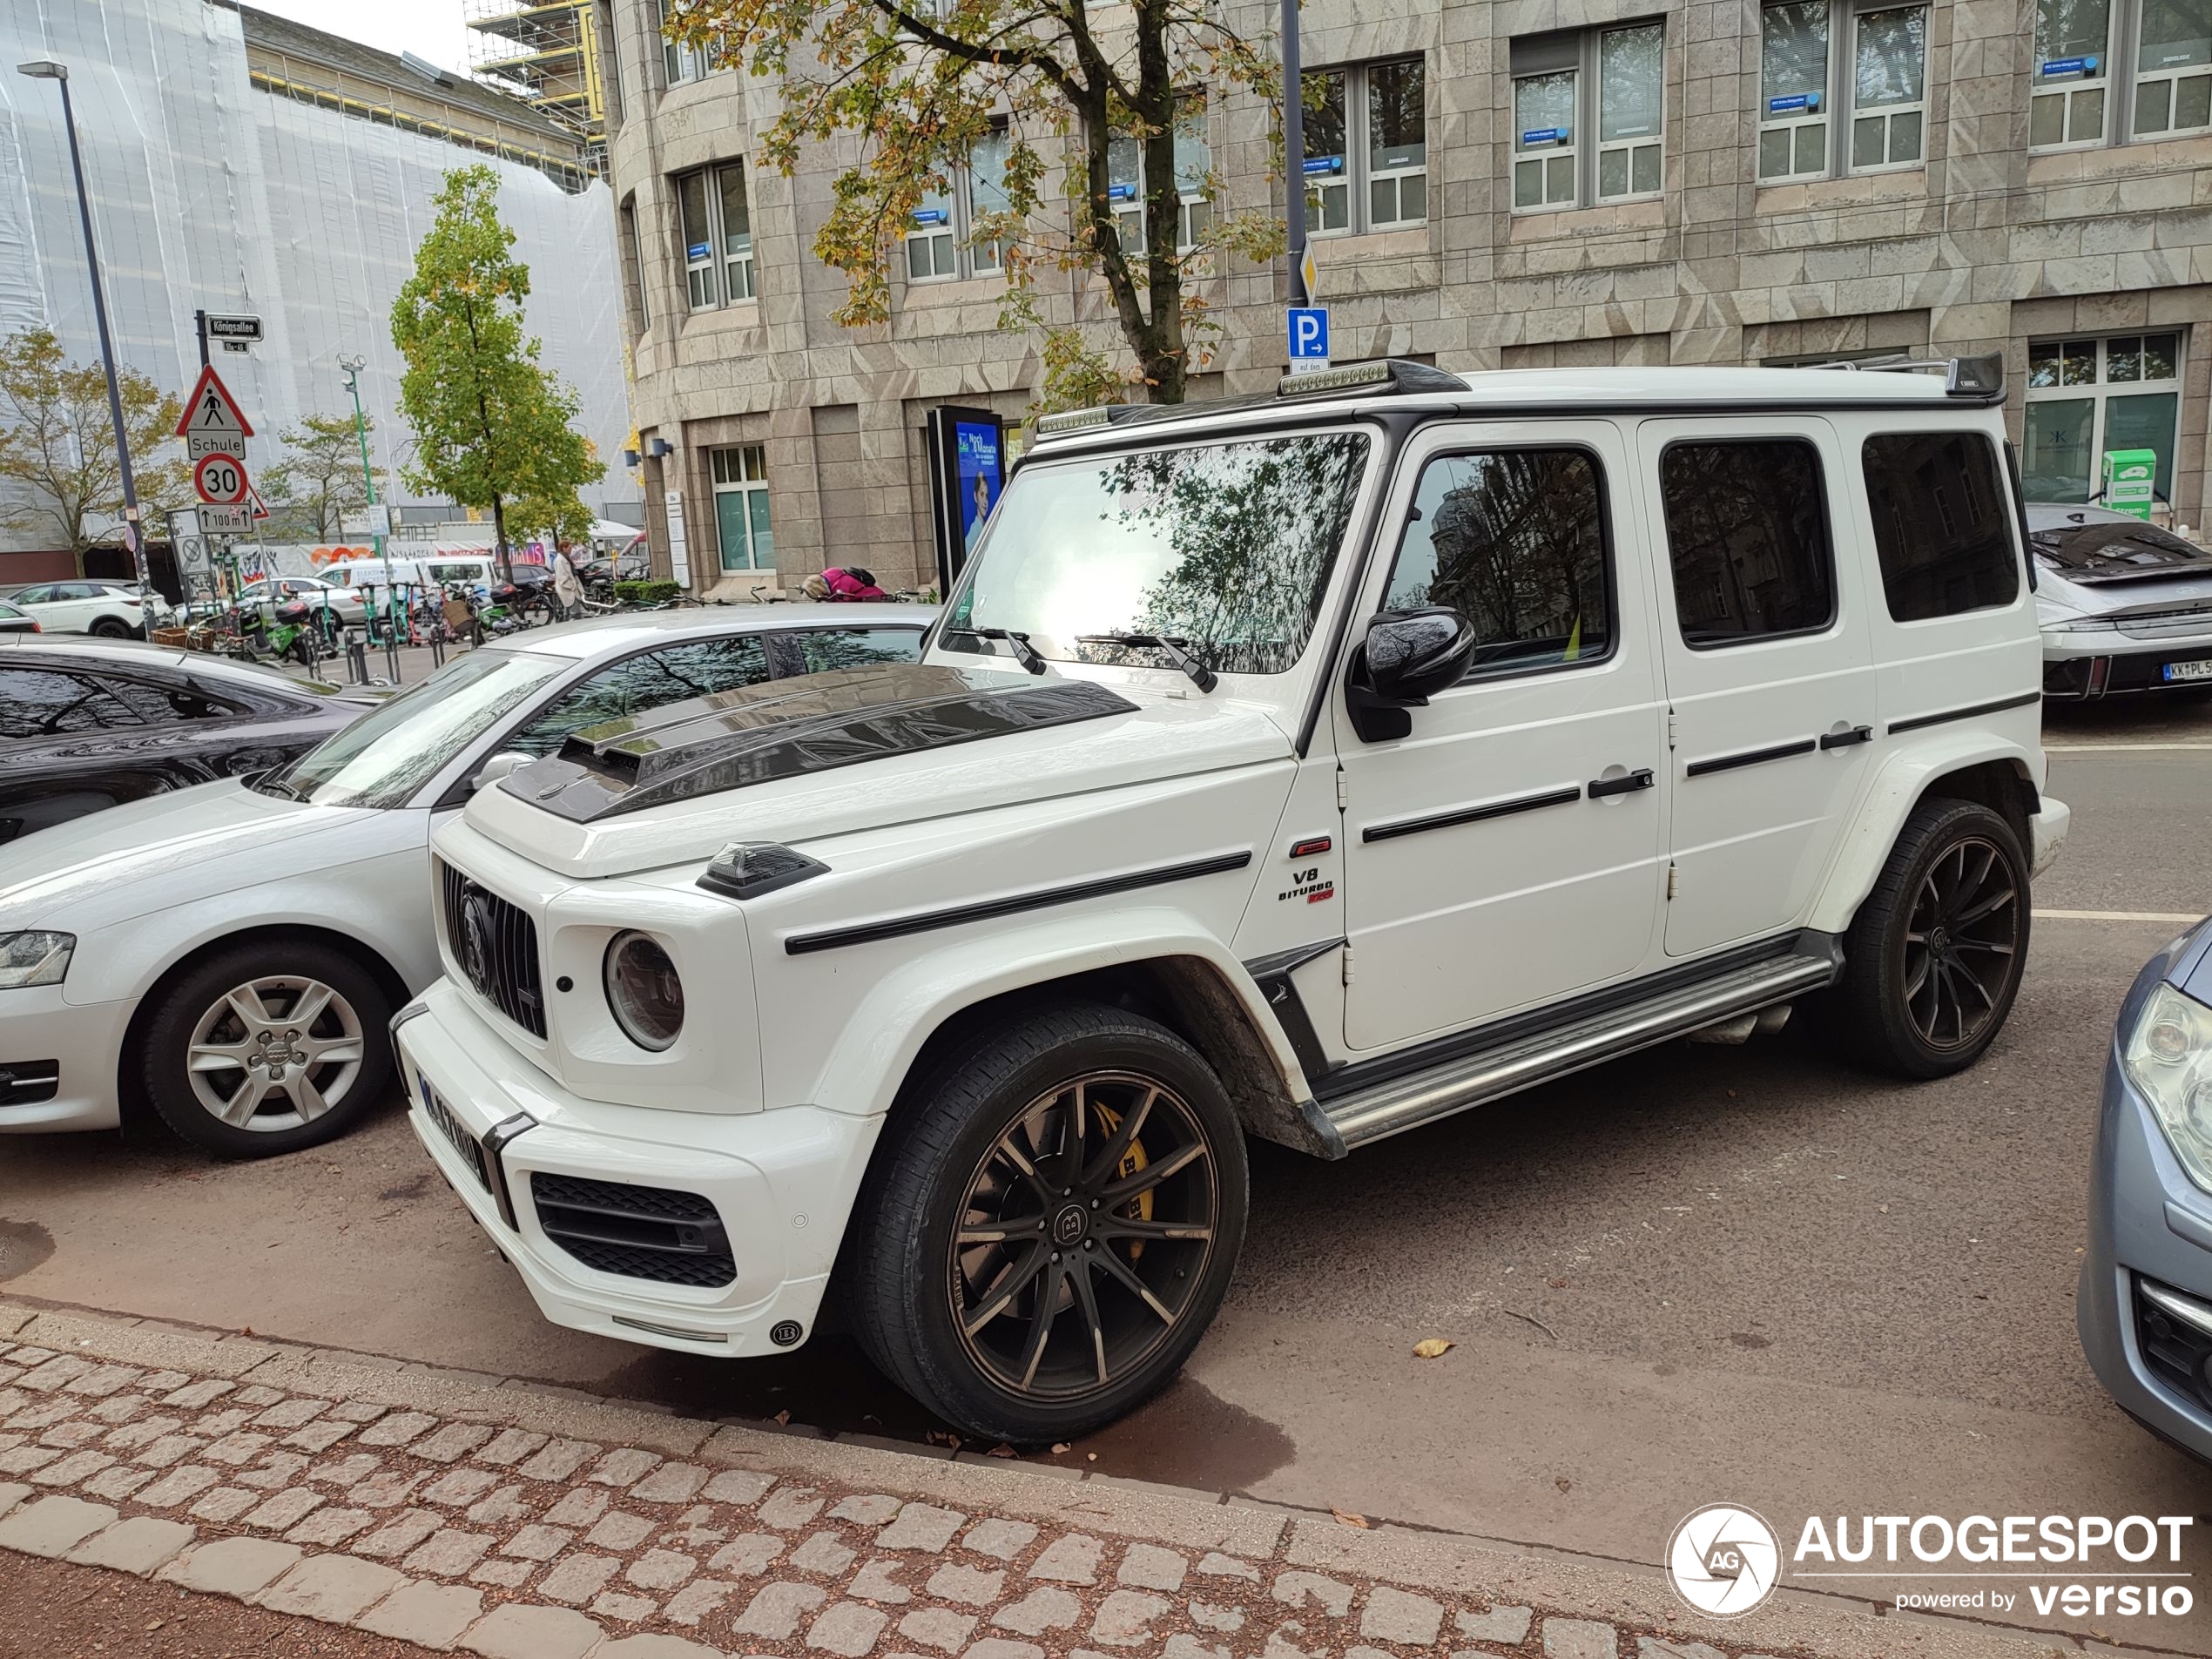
<point x="211" y="410"/>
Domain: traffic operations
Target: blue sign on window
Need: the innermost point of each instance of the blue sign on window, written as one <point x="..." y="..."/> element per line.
<point x="1120" y="193"/>
<point x="2070" y="66"/>
<point x="1323" y="164"/>
<point x="700" y="250"/>
<point x="931" y="216"/>
<point x="1544" y="135"/>
<point x="1796" y="103"/>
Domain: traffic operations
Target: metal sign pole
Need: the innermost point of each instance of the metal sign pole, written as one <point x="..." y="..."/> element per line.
<point x="1294" y="151"/>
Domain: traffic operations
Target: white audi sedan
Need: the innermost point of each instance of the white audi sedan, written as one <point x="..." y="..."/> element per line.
<point x="230" y="955"/>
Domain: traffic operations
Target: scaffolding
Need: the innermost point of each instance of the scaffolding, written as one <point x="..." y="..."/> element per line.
<point x="546" y="52"/>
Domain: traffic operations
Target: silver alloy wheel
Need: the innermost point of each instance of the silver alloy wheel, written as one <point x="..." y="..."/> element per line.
<point x="275" y="1053"/>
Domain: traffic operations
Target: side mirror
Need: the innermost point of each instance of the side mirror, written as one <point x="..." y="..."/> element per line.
<point x="1407" y="657"/>
<point x="498" y="766"/>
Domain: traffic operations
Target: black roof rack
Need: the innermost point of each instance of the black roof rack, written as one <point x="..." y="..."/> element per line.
<point x="1982" y="377"/>
<point x="1383" y="377"/>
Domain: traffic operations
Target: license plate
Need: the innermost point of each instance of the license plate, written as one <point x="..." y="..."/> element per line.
<point x="2200" y="670"/>
<point x="470" y="1149"/>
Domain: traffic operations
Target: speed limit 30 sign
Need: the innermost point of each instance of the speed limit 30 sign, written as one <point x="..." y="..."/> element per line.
<point x="220" y="480"/>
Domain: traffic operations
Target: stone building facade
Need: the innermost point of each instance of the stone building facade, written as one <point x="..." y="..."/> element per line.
<point x="1508" y="183"/>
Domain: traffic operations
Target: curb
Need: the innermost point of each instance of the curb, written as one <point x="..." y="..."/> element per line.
<point x="1563" y="1587"/>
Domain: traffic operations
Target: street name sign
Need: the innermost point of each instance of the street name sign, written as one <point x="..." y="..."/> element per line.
<point x="242" y="330"/>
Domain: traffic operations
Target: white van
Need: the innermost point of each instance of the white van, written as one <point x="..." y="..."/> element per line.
<point x="477" y="570"/>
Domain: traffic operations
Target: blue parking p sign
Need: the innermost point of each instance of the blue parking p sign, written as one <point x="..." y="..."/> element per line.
<point x="1308" y="332"/>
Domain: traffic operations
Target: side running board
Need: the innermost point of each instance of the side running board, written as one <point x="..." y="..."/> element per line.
<point x="1522" y="1061"/>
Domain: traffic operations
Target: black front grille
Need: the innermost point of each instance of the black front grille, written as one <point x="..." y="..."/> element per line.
<point x="27" y="1082"/>
<point x="640" y="1232"/>
<point x="495" y="946"/>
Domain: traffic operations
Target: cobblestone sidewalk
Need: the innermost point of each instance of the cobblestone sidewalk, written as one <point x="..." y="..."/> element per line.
<point x="515" y="1543"/>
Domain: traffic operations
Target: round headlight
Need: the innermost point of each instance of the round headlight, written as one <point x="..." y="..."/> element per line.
<point x="644" y="991"/>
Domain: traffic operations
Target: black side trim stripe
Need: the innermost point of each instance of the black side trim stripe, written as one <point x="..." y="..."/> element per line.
<point x="1750" y="758"/>
<point x="1471" y="815"/>
<point x="1919" y="720"/>
<point x="922" y="922"/>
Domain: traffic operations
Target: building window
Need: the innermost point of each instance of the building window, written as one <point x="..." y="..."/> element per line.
<point x="2086" y="398"/>
<point x="678" y="62"/>
<point x="1878" y="83"/>
<point x="1193" y="163"/>
<point x="716" y="225"/>
<point x="1889" y="89"/>
<point x="636" y="250"/>
<point x="2073" y="67"/>
<point x="941" y="242"/>
<point x="1609" y="81"/>
<point x="2174" y="70"/>
<point x="741" y="508"/>
<point x="1943" y="524"/>
<point x="1747" y="534"/>
<point x="1793" y="91"/>
<point x="1367" y="147"/>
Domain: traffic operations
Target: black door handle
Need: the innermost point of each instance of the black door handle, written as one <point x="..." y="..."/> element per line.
<point x="1600" y="787"/>
<point x="1844" y="739"/>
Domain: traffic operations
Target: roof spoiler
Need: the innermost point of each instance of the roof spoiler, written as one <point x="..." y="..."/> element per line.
<point x="1980" y="378"/>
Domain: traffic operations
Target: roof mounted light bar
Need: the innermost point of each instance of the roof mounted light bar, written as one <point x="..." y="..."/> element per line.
<point x="1397" y="374"/>
<point x="1051" y="426"/>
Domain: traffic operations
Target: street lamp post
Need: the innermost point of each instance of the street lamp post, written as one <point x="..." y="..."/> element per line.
<point x="353" y="367"/>
<point x="133" y="534"/>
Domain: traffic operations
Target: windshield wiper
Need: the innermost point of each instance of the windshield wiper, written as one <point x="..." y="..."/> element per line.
<point x="1202" y="677"/>
<point x="1024" y="652"/>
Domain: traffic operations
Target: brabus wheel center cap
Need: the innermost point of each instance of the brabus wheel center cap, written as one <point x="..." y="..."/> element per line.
<point x="1070" y="1224"/>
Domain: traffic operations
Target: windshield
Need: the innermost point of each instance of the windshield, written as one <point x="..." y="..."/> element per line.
<point x="1224" y="547"/>
<point x="384" y="757"/>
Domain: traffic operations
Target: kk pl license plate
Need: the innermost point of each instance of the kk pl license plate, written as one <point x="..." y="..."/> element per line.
<point x="2200" y="670"/>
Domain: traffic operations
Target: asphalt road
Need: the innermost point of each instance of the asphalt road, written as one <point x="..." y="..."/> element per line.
<point x="1702" y="1274"/>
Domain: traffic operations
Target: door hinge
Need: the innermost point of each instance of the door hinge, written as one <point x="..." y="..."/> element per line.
<point x="1671" y="728"/>
<point x="1347" y="964"/>
<point x="1670" y="881"/>
<point x="1344" y="795"/>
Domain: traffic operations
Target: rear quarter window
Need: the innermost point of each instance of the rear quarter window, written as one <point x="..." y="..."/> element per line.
<point x="1942" y="517"/>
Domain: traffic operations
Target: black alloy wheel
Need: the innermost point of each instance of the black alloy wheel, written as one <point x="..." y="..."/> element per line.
<point x="1961" y="940"/>
<point x="1085" y="1230"/>
<point x="1048" y="1224"/>
<point x="1933" y="959"/>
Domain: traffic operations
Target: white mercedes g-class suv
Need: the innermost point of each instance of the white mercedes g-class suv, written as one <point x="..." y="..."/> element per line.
<point x="1309" y="767"/>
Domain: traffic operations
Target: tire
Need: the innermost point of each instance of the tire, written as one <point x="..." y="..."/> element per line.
<point x="1933" y="958"/>
<point x="348" y="1065"/>
<point x="110" y="628"/>
<point x="951" y="1160"/>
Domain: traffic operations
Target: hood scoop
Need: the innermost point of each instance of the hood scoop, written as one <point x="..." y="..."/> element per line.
<point x="789" y="728"/>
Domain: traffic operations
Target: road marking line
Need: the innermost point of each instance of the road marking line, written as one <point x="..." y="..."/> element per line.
<point x="2119" y="915"/>
<point x="2124" y="748"/>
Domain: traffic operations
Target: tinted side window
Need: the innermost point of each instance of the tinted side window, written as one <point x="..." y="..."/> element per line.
<point x="832" y="648"/>
<point x="1942" y="523"/>
<point x="1515" y="540"/>
<point x="160" y="705"/>
<point x="652" y="681"/>
<point x="34" y="703"/>
<point x="1747" y="533"/>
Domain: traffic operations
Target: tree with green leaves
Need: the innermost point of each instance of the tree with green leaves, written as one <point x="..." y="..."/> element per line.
<point x="492" y="425"/>
<point x="558" y="522"/>
<point x="1026" y="101"/>
<point x="58" y="444"/>
<point x="319" y="479"/>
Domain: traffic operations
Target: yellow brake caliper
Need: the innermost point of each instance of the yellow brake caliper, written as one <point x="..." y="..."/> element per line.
<point x="1132" y="1161"/>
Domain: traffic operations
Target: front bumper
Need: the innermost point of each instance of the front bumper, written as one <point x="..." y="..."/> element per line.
<point x="782" y="1183"/>
<point x="82" y="1040"/>
<point x="2147" y="1221"/>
